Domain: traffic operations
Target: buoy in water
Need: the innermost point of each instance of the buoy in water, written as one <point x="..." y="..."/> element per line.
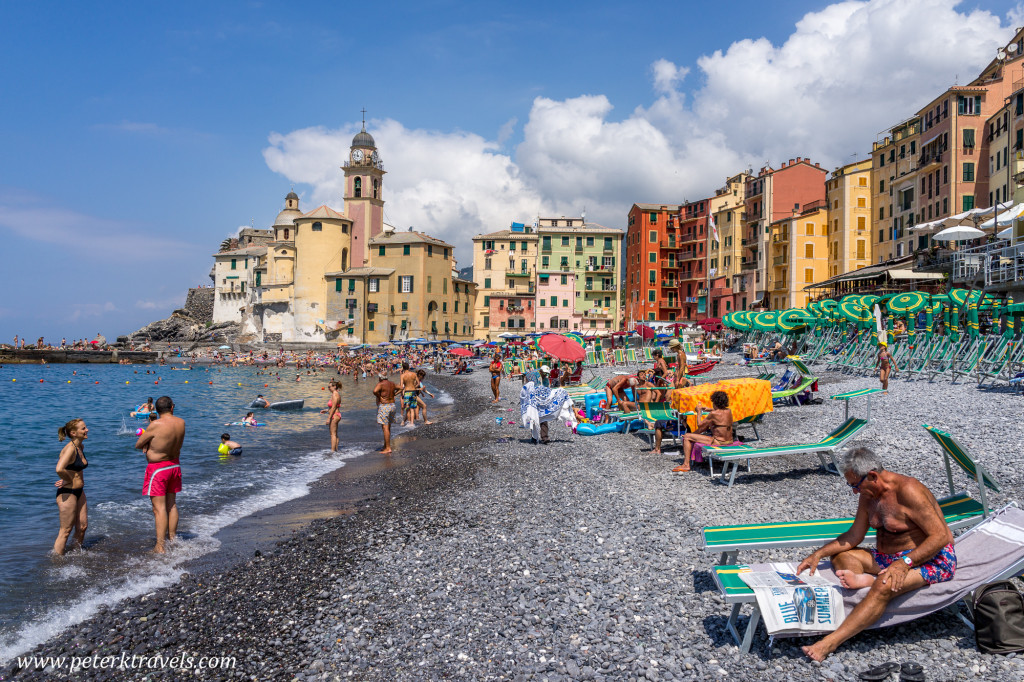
<point x="69" y="381"/>
<point x="40" y="381"/>
<point x="127" y="382"/>
<point x="186" y="382"/>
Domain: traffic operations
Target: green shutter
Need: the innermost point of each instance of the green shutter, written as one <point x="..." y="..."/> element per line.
<point x="381" y="250"/>
<point x="234" y="263"/>
<point x="337" y="285"/>
<point x="405" y="250"/>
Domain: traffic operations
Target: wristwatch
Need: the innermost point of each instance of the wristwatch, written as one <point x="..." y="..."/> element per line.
<point x="908" y="562"/>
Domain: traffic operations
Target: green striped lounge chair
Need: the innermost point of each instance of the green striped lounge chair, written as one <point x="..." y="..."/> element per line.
<point x="960" y="509"/>
<point x="593" y="386"/>
<point x="620" y="356"/>
<point x="652" y="413"/>
<point x="591" y="360"/>
<point x="988" y="552"/>
<point x="790" y="394"/>
<point x="631" y="356"/>
<point x="734" y="455"/>
<point x="647" y="357"/>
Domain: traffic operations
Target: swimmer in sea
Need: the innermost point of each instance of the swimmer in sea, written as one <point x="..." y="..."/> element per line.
<point x="249" y="419"/>
<point x="228" y="446"/>
<point x="71" y="503"/>
<point x="145" y="408"/>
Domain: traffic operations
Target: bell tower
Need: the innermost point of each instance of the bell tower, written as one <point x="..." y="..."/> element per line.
<point x="364" y="193"/>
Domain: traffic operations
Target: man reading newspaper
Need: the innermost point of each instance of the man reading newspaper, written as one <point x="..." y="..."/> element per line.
<point x="914" y="546"/>
<point x="792" y="604"/>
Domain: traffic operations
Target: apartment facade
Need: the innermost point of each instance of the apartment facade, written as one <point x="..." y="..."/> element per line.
<point x="799" y="255"/>
<point x="694" y="241"/>
<point x="648" y="246"/>
<point x="504" y="267"/>
<point x="726" y="292"/>
<point x="593" y="253"/>
<point x="848" y="194"/>
<point x="773" y="195"/>
<point x="949" y="158"/>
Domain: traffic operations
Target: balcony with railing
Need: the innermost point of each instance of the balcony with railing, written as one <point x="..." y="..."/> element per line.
<point x="601" y="286"/>
<point x="751" y="265"/>
<point x="778" y="260"/>
<point x="929" y="159"/>
<point x="518" y="273"/>
<point x="671" y="304"/>
<point x="780" y="238"/>
<point x="670" y="284"/>
<point x="670" y="265"/>
<point x="668" y="244"/>
<point x="593" y="313"/>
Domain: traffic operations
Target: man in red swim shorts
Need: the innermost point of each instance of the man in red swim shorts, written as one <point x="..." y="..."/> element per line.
<point x="161" y="442"/>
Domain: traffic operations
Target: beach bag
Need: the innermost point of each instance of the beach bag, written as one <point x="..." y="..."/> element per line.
<point x="999" y="618"/>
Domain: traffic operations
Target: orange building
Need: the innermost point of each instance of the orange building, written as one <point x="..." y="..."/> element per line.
<point x="694" y="242"/>
<point x="652" y="264"/>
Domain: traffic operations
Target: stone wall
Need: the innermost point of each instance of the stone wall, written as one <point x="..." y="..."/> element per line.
<point x="199" y="304"/>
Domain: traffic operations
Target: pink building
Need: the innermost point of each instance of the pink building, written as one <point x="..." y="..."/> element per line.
<point x="556" y="301"/>
<point x="512" y="313"/>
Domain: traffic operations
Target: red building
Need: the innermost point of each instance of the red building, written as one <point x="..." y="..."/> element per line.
<point x="694" y="243"/>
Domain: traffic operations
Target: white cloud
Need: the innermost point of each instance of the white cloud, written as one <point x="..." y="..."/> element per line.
<point x="31" y="217"/>
<point x="845" y="74"/>
<point x="85" y="310"/>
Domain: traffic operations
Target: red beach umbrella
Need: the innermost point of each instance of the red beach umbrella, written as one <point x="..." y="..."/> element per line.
<point x="711" y="324"/>
<point x="645" y="332"/>
<point x="562" y="347"/>
<point x="465" y="352"/>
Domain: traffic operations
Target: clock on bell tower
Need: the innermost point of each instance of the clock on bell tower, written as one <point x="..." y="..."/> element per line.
<point x="364" y="193"/>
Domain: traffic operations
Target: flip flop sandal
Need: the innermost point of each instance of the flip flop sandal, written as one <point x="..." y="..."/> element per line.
<point x="880" y="672"/>
<point x="911" y="671"/>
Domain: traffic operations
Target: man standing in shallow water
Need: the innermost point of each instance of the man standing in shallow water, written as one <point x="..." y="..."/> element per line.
<point x="161" y="442"/>
<point x="384" y="392"/>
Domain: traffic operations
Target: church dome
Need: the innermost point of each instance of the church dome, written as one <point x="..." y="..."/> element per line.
<point x="363" y="139"/>
<point x="286" y="218"/>
<point x="292" y="195"/>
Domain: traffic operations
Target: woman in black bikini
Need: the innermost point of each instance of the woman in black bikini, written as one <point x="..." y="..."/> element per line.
<point x="71" y="487"/>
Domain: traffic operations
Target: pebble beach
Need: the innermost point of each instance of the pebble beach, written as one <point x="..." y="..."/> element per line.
<point x="482" y="556"/>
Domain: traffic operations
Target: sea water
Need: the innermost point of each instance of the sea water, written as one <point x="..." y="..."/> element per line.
<point x="42" y="594"/>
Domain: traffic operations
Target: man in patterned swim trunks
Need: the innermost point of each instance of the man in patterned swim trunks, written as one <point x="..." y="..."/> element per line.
<point x="914" y="544"/>
<point x="384" y="393"/>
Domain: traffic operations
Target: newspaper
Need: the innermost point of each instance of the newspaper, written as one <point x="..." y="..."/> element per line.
<point x="792" y="604"/>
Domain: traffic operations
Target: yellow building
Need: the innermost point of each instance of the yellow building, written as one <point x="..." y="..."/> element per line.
<point x="726" y="253"/>
<point x="849" y="195"/>
<point x="410" y="289"/>
<point x="799" y="256"/>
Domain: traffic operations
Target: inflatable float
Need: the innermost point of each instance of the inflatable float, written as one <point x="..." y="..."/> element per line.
<point x="244" y="424"/>
<point x="611" y="427"/>
<point x="288" y="405"/>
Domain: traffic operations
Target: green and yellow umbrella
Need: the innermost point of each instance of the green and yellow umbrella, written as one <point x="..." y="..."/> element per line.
<point x="765" y="321"/>
<point x="815" y="308"/>
<point x="850" y="308"/>
<point x="575" y="337"/>
<point x="792" y="320"/>
<point x="742" y="320"/>
<point x="959" y="297"/>
<point x="727" y="320"/>
<point x="908" y="302"/>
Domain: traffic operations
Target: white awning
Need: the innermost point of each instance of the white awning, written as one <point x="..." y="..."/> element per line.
<point x="910" y="274"/>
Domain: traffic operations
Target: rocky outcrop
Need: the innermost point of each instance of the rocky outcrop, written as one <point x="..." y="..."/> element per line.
<point x="181" y="327"/>
<point x="199" y="304"/>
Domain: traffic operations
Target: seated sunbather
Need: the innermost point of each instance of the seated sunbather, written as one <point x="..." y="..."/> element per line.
<point x="914" y="546"/>
<point x="715" y="429"/>
<point x="616" y="388"/>
<point x="644" y="391"/>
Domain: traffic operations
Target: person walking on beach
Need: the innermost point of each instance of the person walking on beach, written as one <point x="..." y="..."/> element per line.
<point x="384" y="393"/>
<point x="497" y="369"/>
<point x="161" y="443"/>
<point x="884" y="365"/>
<point x="914" y="545"/>
<point x="718" y="423"/>
<point x="334" y="413"/>
<point x="421" y="375"/>
<point x="410" y="386"/>
<point x="71" y="504"/>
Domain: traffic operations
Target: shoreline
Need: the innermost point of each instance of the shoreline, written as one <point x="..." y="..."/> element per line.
<point x="487" y="557"/>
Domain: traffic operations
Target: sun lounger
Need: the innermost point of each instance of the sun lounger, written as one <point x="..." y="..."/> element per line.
<point x="959" y="508"/>
<point x="652" y="413"/>
<point x="862" y="393"/>
<point x="992" y="550"/>
<point x="752" y="421"/>
<point x="806" y="383"/>
<point x="735" y="455"/>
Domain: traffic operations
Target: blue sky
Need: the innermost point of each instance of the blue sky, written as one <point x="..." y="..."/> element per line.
<point x="136" y="137"/>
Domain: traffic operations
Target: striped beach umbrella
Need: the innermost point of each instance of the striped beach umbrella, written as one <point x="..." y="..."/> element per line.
<point x="959" y="296"/>
<point x="793" y="320"/>
<point x="742" y="320"/>
<point x="765" y="321"/>
<point x="908" y="302"/>
<point x="850" y="308"/>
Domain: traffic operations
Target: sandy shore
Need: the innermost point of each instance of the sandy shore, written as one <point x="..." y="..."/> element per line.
<point x="476" y="554"/>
